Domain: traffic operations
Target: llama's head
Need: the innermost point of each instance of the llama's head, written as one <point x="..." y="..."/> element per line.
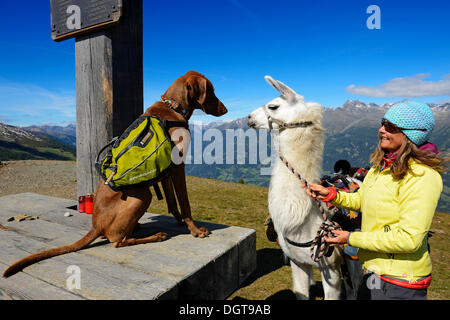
<point x="289" y="109"/>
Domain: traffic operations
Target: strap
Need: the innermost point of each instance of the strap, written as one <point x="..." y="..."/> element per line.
<point x="103" y="149"/>
<point x="158" y="191"/>
<point x="138" y="137"/>
<point x="283" y="125"/>
<point x="318" y="246"/>
<point x="298" y="244"/>
<point x="302" y="124"/>
<point x="175" y="124"/>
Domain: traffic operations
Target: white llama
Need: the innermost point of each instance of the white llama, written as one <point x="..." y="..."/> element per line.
<point x="295" y="215"/>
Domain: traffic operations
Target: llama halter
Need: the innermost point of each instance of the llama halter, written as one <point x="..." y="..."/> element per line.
<point x="283" y="125"/>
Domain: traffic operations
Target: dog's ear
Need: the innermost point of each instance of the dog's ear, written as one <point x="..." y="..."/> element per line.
<point x="290" y="95"/>
<point x="196" y="88"/>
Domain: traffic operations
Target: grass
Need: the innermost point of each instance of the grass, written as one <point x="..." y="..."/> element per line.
<point x="440" y="257"/>
<point x="57" y="152"/>
<point x="246" y="206"/>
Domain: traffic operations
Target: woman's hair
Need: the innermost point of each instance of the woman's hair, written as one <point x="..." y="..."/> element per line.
<point x="408" y="150"/>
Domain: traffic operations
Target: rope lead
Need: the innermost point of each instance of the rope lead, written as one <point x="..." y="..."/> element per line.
<point x="319" y="247"/>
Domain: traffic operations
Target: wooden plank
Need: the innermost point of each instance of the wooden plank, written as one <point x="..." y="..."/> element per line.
<point x="109" y="81"/>
<point x="37" y="201"/>
<point x="173" y="258"/>
<point x="99" y="279"/>
<point x="45" y="207"/>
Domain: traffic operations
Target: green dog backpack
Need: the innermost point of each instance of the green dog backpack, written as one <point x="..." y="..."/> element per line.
<point x="141" y="155"/>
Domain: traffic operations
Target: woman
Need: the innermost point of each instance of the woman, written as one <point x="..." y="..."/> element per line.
<point x="397" y="200"/>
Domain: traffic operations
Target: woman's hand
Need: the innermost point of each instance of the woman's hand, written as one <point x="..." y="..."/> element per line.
<point x="341" y="237"/>
<point x="316" y="191"/>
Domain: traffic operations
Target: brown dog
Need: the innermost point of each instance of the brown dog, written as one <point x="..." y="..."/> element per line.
<point x="116" y="214"/>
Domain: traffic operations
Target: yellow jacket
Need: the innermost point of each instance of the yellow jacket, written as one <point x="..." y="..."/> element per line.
<point x="396" y="217"/>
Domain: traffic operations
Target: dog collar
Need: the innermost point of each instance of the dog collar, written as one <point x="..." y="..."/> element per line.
<point x="175" y="106"/>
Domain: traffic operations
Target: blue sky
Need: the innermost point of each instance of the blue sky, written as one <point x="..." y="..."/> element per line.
<point x="322" y="49"/>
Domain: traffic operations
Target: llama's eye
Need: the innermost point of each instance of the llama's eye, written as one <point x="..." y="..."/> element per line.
<point x="273" y="107"/>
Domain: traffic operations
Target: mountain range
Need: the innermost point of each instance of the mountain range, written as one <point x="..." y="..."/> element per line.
<point x="350" y="133"/>
<point x="36" y="142"/>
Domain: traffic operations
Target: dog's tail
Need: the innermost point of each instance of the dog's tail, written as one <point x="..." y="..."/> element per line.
<point x="25" y="262"/>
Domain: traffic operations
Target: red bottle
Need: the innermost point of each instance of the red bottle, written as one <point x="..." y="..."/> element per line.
<point x="81" y="204"/>
<point x="89" y="204"/>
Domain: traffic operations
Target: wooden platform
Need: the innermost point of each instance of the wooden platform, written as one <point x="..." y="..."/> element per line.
<point x="182" y="267"/>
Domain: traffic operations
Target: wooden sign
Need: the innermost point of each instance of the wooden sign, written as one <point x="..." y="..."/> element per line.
<point x="71" y="18"/>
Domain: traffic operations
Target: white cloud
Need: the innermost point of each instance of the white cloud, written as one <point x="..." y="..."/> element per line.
<point x="414" y="86"/>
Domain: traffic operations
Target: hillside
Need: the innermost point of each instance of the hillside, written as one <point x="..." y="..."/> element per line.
<point x="66" y="135"/>
<point x="19" y="144"/>
<point x="225" y="203"/>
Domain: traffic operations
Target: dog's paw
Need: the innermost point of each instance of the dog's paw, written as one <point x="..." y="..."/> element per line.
<point x="201" y="232"/>
<point x="161" y="236"/>
<point x="204" y="230"/>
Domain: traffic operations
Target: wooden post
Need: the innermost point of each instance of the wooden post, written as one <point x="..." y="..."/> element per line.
<point x="109" y="85"/>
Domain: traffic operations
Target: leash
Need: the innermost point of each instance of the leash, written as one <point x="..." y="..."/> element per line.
<point x="319" y="247"/>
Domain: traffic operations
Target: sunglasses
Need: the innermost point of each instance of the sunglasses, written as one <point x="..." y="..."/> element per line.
<point x="392" y="128"/>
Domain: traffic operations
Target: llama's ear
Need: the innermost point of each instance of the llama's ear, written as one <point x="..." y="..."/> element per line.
<point x="271" y="81"/>
<point x="285" y="91"/>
